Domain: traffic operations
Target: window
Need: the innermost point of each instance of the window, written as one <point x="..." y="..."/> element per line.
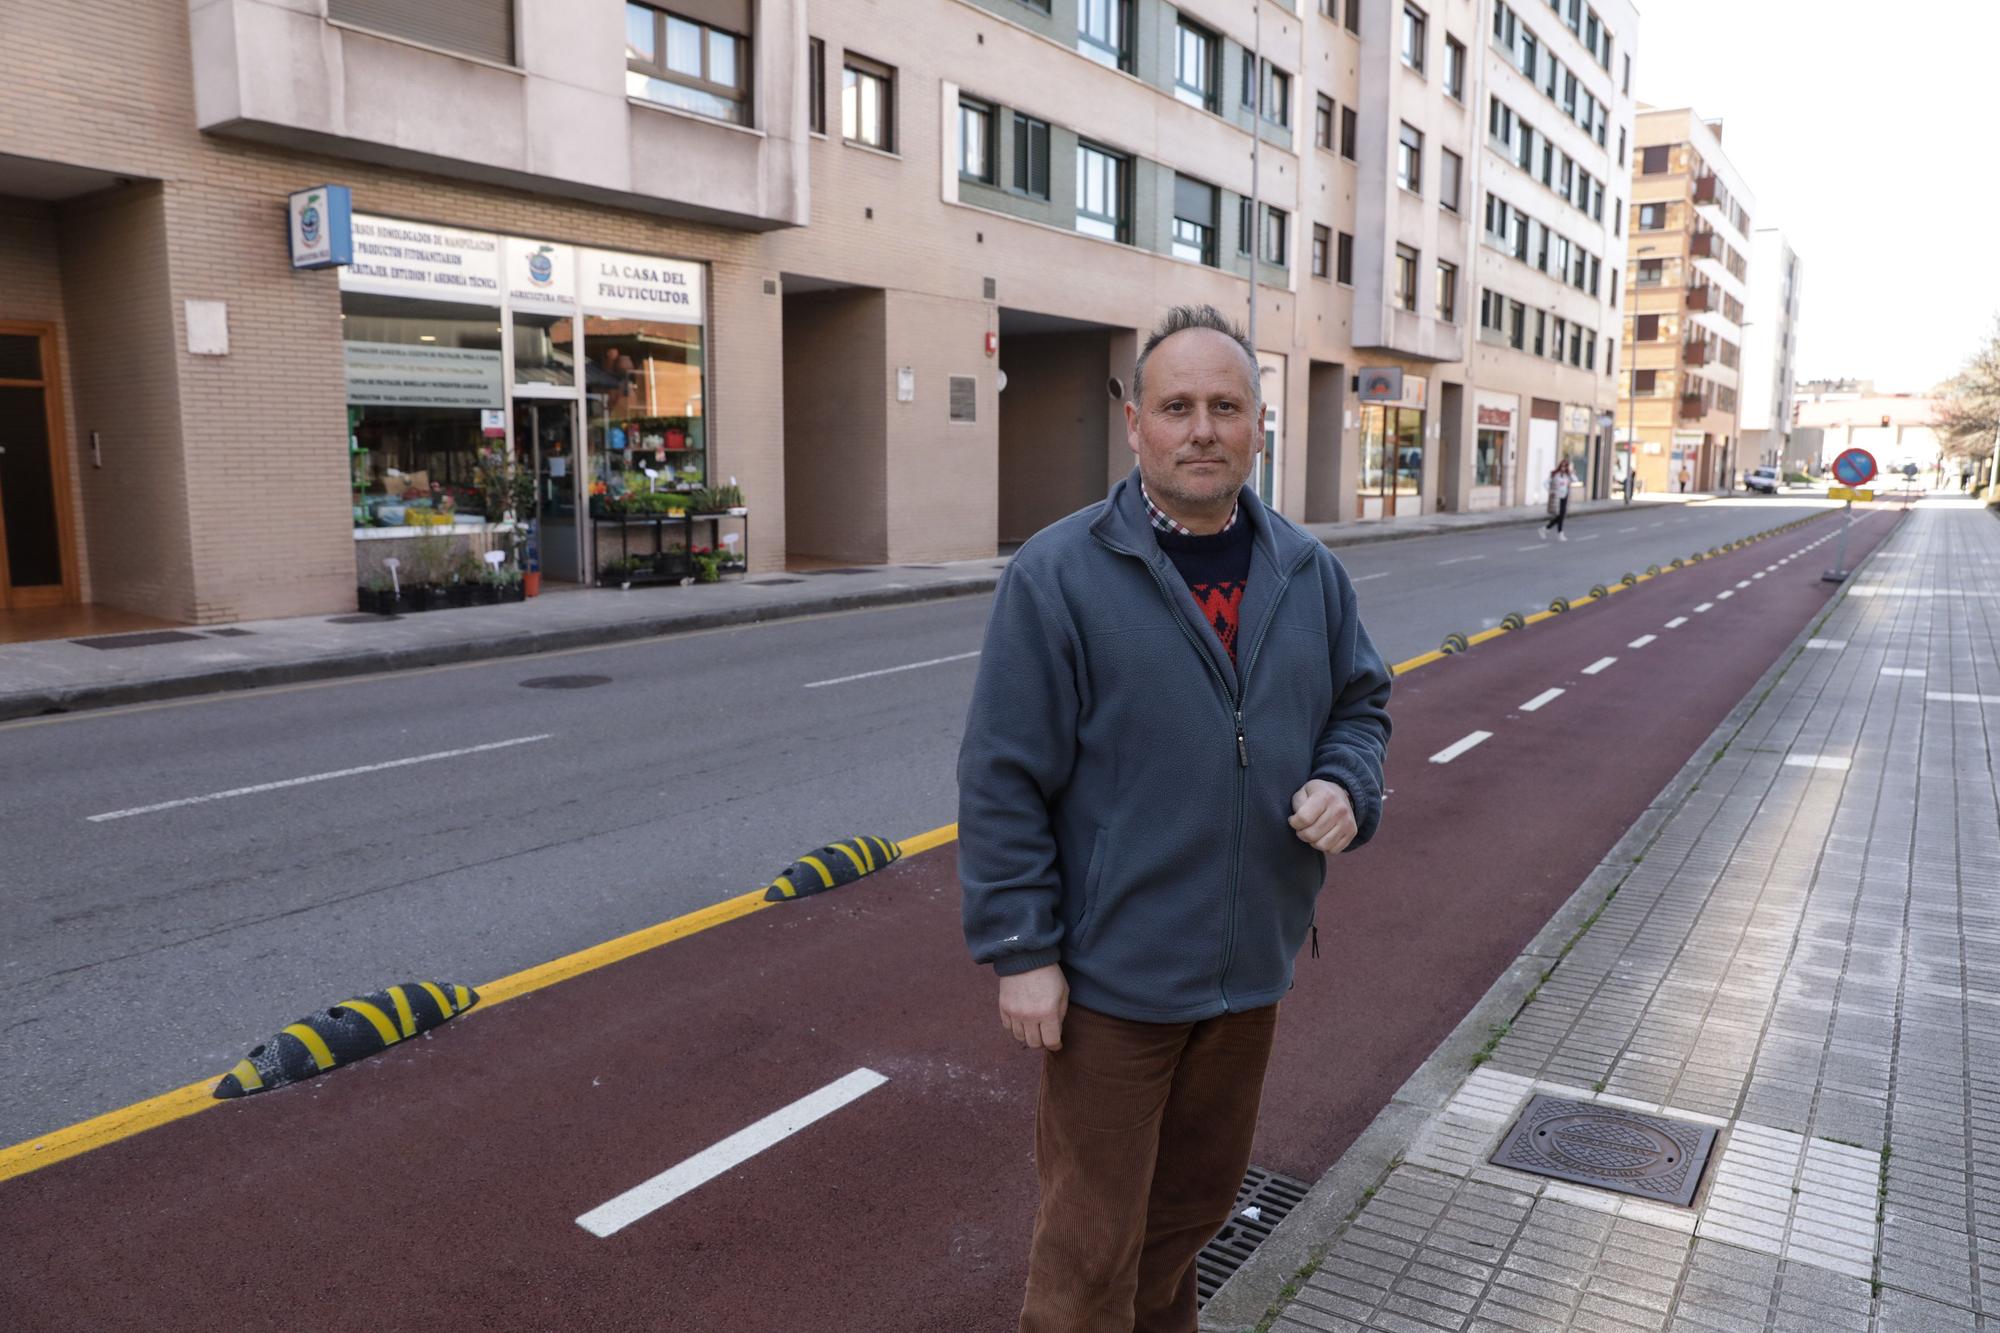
<point x="1621" y="145"/>
<point x="1541" y="333"/>
<point x="1323" y="118"/>
<point x="1454" y="67"/>
<point x="1343" y="260"/>
<point x="1410" y="160"/>
<point x="868" y="103"/>
<point x="1194" y="220"/>
<point x="1354" y="20"/>
<point x="1406" y="277"/>
<point x="1249" y="78"/>
<point x="1277" y="95"/>
<point x="1447" y="292"/>
<point x="1414" y="25"/>
<point x="1618" y="217"/>
<point x="1652" y="217"/>
<point x="1645" y="382"/>
<point x="816" y="85"/>
<point x="686" y="65"/>
<point x="482" y="28"/>
<point x="1103" y="31"/>
<point x="1517" y="336"/>
<point x="1031" y="156"/>
<point x="1277" y="226"/>
<point x="1244" y="226"/>
<point x="1450" y="169"/>
<point x="1653" y="161"/>
<point x="1646" y="328"/>
<point x="1349" y="129"/>
<point x="1195" y="66"/>
<point x="1322" y="260"/>
<point x="1100" y="192"/>
<point x="1627" y="89"/>
<point x="975" y="141"/>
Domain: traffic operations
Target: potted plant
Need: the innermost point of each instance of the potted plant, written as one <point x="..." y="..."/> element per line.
<point x="707" y="565"/>
<point x="378" y="595"/>
<point x="727" y="500"/>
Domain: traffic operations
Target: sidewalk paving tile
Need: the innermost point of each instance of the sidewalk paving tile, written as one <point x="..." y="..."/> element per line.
<point x="1807" y="957"/>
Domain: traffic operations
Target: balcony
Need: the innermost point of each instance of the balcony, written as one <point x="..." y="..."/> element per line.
<point x="1698" y="298"/>
<point x="1702" y="246"/>
<point x="1695" y="353"/>
<point x="1704" y="188"/>
<point x="1692" y="408"/>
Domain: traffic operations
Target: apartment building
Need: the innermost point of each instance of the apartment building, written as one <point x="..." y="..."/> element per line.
<point x="886" y="268"/>
<point x="1686" y="281"/>
<point x="1770" y="352"/>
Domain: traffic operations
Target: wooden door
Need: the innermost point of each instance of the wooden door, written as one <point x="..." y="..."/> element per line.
<point x="37" y="552"/>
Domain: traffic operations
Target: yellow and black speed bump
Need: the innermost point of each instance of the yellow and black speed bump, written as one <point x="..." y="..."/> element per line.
<point x="1653" y="571"/>
<point x="1559" y="605"/>
<point x="1678" y="563"/>
<point x="1513" y="621"/>
<point x="1598" y="592"/>
<point x="831" y="866"/>
<point x="342" y="1033"/>
<point x="1454" y="643"/>
<point x="1630" y="581"/>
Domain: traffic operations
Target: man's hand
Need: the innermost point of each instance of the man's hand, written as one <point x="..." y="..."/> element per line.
<point x="1323" y="816"/>
<point x="1032" y="1005"/>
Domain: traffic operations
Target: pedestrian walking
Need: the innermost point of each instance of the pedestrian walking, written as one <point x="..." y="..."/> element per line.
<point x="1560" y="482"/>
<point x="1178" y="718"/>
<point x="1686" y="476"/>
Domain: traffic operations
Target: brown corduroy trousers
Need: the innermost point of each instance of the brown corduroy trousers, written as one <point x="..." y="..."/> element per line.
<point x="1142" y="1134"/>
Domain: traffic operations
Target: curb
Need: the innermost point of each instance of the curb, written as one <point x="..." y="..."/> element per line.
<point x="1391" y="533"/>
<point x="1311" y="1228"/>
<point x="34" y="703"/>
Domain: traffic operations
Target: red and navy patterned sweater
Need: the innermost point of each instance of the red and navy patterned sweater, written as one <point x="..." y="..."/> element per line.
<point x="1215" y="568"/>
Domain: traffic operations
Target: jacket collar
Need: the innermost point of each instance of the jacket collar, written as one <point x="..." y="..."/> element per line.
<point x="1123" y="524"/>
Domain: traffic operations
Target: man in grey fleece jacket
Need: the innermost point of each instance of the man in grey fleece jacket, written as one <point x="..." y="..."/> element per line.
<point x="1178" y="716"/>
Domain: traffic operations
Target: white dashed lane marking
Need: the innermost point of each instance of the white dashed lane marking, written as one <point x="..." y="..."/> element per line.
<point x="1545" y="697"/>
<point x="1725" y="594"/>
<point x="1599" y="665"/>
<point x="1677" y="622"/>
<point x="1642" y="641"/>
<point x="1459" y="747"/>
<point x="1705" y="606"/>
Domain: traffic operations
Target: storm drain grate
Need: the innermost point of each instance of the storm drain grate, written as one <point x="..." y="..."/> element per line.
<point x="146" y="640"/>
<point x="364" y="619"/>
<point x="564" y="682"/>
<point x="1263" y="1200"/>
<point x="229" y="633"/>
<point x="1610" y="1148"/>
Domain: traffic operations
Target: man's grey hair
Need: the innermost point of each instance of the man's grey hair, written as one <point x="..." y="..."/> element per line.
<point x="1179" y="320"/>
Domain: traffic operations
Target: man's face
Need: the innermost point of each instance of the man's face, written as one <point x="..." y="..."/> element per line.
<point x="1196" y="434"/>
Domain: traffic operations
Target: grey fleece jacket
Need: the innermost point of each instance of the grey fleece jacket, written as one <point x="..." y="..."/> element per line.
<point x="1124" y="790"/>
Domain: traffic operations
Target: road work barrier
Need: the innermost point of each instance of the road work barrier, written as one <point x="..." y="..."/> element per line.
<point x="831" y="866"/>
<point x="342" y="1033"/>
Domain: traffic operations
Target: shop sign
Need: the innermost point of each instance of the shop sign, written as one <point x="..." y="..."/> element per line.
<point x="322" y="226"/>
<point x="493" y="423"/>
<point x="1501" y="418"/>
<point x="541" y="275"/>
<point x="396" y="258"/>
<point x="641" y="286"/>
<point x="419" y="375"/>
<point x="1576" y="419"/>
<point x="1381" y="384"/>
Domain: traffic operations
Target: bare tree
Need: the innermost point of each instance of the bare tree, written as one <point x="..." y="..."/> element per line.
<point x="1968" y="411"/>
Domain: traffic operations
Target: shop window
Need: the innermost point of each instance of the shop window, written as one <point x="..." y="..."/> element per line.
<point x="544" y="349"/>
<point x="1486" y="457"/>
<point x="690" y="65"/>
<point x="644" y="386"/>
<point x="420" y="374"/>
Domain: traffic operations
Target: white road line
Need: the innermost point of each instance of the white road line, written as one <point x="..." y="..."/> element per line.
<point x="1660" y="524"/>
<point x="317" y="777"/>
<point x="1905" y="671"/>
<point x="1545" y="697"/>
<point x="1538" y="546"/>
<point x="1633" y="528"/>
<point x="890" y="671"/>
<point x="1705" y="606"/>
<point x="1459" y="747"/>
<point x="1837" y="763"/>
<point x="1460" y="560"/>
<point x="1940" y="696"/>
<point x="1832" y="644"/>
<point x="1365" y="577"/>
<point x="1642" y="641"/>
<point x="1743" y="583"/>
<point x="1598" y="665"/>
<point x="609" y="1218"/>
<point x="1591" y="538"/>
<point x="1760" y="574"/>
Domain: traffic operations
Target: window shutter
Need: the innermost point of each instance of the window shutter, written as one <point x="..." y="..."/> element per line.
<point x="1194" y="201"/>
<point x="483" y="28"/>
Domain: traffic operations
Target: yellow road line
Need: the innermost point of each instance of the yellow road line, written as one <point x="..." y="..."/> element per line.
<point x="74" y="1140"/>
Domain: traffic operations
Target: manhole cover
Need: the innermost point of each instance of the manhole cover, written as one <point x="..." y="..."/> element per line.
<point x="146" y="640"/>
<point x="564" y="682"/>
<point x="1263" y="1200"/>
<point x="1610" y="1148"/>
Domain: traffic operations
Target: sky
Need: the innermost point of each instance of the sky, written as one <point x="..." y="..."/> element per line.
<point x="1867" y="132"/>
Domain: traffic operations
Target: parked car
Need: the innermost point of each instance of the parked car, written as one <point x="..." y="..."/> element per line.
<point x="1763" y="479"/>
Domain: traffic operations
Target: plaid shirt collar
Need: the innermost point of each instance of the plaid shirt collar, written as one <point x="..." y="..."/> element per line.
<point x="1163" y="522"/>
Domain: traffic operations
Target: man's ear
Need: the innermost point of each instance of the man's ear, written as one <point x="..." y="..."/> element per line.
<point x="1132" y="427"/>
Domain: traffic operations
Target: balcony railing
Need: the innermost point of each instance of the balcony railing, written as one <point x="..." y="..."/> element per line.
<point x="1704" y="189"/>
<point x="1703" y="245"/>
<point x="1698" y="297"/>
<point x="1695" y="353"/>
<point x="1692" y="407"/>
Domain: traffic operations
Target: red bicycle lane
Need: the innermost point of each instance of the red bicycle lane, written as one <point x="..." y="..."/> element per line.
<point x="441" y="1180"/>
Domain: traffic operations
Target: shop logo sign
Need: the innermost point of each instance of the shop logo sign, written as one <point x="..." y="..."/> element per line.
<point x="322" y="226"/>
<point x="542" y="269"/>
<point x="309" y="220"/>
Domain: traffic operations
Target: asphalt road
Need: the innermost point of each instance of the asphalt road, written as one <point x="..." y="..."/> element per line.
<point x="151" y="949"/>
<point x="445" y="1179"/>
